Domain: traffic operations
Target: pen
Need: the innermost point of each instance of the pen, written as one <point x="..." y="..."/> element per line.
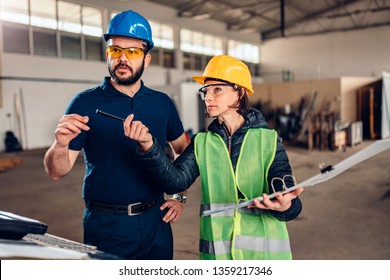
<point x="109" y="115"/>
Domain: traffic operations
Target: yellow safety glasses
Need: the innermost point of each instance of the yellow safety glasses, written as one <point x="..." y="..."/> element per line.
<point x="131" y="53"/>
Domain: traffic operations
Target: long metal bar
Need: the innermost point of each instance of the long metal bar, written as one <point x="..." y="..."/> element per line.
<point x="109" y="115"/>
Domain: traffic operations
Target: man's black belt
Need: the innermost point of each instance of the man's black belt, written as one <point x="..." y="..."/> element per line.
<point x="130" y="209"/>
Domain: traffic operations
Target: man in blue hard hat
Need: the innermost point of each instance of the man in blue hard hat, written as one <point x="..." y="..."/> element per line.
<point x="125" y="213"/>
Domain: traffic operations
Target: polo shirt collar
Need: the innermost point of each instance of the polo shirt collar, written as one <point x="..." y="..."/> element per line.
<point x="109" y="90"/>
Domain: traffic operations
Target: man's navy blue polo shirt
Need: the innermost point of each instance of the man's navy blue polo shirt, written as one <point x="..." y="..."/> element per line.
<point x="113" y="174"/>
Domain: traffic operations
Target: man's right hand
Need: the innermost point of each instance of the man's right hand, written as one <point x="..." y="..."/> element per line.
<point x="139" y="132"/>
<point x="69" y="126"/>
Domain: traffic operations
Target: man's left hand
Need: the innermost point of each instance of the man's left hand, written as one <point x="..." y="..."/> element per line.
<point x="175" y="208"/>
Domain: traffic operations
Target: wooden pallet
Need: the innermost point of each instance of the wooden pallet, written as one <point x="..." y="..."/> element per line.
<point x="9" y="163"/>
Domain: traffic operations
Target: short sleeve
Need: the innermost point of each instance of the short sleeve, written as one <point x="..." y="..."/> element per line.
<point x="175" y="126"/>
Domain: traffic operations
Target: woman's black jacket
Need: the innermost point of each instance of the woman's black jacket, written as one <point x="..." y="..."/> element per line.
<point x="183" y="172"/>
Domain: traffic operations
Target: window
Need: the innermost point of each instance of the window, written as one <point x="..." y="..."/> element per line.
<point x="155" y="56"/>
<point x="256" y="70"/>
<point x="212" y="46"/>
<point x="15" y="39"/>
<point x="198" y="48"/>
<point x="196" y="42"/>
<point x="92" y="21"/>
<point x="70" y="46"/>
<point x="246" y="52"/>
<point x="45" y="43"/>
<point x="169" y="58"/>
<point x="43" y="13"/>
<point x="163" y="57"/>
<point x="193" y="61"/>
<point x="197" y="62"/>
<point x="14" y="11"/>
<point x="40" y="18"/>
<point x="163" y="53"/>
<point x="70" y="30"/>
<point x="69" y="17"/>
<point x="187" y="61"/>
<point x="92" y="28"/>
<point x="243" y="51"/>
<point x="162" y="35"/>
<point x="94" y="48"/>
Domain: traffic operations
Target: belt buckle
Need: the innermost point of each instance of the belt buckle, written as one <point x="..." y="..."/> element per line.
<point x="129" y="209"/>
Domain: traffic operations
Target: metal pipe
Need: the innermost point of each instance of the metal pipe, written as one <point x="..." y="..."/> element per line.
<point x="109" y="115"/>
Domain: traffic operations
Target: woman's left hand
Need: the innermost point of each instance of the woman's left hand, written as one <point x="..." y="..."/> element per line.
<point x="175" y="208"/>
<point x="281" y="203"/>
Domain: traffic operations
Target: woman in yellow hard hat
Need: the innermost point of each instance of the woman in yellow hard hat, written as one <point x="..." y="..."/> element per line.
<point x="240" y="158"/>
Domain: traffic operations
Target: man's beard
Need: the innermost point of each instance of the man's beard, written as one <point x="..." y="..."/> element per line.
<point x="129" y="80"/>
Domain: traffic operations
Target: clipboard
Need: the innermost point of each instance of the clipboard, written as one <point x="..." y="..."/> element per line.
<point x="326" y="174"/>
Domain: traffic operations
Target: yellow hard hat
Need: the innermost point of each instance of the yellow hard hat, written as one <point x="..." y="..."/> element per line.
<point x="229" y="69"/>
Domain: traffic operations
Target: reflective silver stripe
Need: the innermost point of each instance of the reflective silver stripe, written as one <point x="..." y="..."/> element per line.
<point x="249" y="243"/>
<point x="206" y="207"/>
<point x="253" y="243"/>
<point x="215" y="248"/>
<point x="229" y="212"/>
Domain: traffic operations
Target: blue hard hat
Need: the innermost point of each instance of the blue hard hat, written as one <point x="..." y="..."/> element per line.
<point x="130" y="24"/>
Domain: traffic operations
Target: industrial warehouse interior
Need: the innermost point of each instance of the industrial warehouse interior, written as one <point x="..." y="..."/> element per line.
<point x="321" y="78"/>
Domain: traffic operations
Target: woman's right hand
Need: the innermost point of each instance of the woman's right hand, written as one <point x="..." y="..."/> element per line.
<point x="281" y="203"/>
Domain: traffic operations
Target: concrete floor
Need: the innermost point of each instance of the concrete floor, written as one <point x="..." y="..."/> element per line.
<point x="347" y="217"/>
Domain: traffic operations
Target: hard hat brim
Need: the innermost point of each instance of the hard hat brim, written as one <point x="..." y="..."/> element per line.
<point x="199" y="79"/>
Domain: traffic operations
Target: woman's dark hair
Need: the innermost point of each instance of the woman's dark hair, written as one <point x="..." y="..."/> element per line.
<point x="242" y="103"/>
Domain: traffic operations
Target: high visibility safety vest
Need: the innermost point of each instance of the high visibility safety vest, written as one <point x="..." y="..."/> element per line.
<point x="238" y="234"/>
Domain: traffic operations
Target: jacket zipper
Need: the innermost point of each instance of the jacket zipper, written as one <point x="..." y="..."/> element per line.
<point x="229" y="137"/>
